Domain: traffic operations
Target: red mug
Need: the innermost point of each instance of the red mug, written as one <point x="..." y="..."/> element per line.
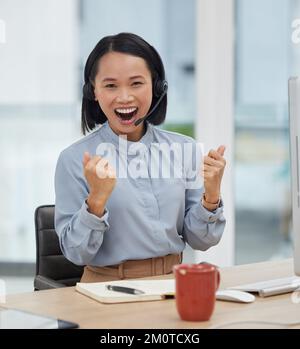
<point x="196" y="286"/>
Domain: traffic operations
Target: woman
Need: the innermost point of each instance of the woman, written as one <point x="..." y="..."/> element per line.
<point x="134" y="225"/>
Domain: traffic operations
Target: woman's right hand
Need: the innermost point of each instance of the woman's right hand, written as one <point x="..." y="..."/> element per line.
<point x="101" y="178"/>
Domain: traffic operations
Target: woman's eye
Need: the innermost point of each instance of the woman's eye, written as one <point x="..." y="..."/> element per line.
<point x="110" y="85"/>
<point x="137" y="83"/>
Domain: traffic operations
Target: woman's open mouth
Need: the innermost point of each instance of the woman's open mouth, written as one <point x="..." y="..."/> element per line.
<point x="126" y="116"/>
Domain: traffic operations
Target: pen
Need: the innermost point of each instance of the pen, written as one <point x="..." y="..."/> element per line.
<point x="124" y="289"/>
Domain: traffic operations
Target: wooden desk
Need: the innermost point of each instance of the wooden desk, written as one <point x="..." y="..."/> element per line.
<point x="67" y="304"/>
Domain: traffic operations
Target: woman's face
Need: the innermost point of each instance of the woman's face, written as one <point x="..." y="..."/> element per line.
<point x="123" y="89"/>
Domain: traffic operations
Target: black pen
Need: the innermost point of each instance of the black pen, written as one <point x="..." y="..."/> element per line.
<point x="124" y="289"/>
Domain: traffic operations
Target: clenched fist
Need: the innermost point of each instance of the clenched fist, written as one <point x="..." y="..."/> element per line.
<point x="101" y="178"/>
<point x="213" y="169"/>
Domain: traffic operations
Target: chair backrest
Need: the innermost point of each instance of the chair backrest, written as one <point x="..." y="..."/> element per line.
<point x="51" y="264"/>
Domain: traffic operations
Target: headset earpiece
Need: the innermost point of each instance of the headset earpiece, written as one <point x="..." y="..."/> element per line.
<point x="88" y="91"/>
<point x="160" y="87"/>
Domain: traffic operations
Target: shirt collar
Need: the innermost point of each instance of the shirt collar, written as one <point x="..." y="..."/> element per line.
<point x="146" y="140"/>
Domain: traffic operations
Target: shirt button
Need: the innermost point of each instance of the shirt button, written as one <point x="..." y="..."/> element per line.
<point x="211" y="219"/>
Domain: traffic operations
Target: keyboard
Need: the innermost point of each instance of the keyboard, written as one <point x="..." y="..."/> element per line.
<point x="271" y="287"/>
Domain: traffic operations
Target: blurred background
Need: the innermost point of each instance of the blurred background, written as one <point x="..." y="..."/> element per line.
<point x="43" y="48"/>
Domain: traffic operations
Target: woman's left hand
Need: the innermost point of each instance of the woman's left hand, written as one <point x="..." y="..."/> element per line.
<point x="213" y="169"/>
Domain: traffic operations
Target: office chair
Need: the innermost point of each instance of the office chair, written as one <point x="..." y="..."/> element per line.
<point x="53" y="270"/>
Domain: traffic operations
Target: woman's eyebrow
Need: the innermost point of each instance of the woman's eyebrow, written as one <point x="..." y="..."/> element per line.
<point x="109" y="79"/>
<point x="136" y="77"/>
<point x="131" y="78"/>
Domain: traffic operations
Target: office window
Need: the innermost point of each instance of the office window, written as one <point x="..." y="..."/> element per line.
<point x="38" y="113"/>
<point x="265" y="58"/>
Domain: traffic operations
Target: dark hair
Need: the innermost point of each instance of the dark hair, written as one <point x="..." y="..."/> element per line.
<point x="91" y="112"/>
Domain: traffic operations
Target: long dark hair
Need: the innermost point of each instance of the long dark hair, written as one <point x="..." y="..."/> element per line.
<point x="91" y="112"/>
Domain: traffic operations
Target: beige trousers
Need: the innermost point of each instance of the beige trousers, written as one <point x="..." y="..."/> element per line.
<point x="132" y="269"/>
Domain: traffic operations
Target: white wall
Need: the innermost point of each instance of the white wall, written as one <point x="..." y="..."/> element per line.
<point x="37" y="62"/>
<point x="102" y="17"/>
<point x="215" y="114"/>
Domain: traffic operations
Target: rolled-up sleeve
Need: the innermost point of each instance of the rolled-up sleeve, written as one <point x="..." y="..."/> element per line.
<point x="202" y="228"/>
<point x="80" y="232"/>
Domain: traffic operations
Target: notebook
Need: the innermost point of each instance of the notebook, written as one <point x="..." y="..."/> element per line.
<point x="271" y="287"/>
<point x="152" y="290"/>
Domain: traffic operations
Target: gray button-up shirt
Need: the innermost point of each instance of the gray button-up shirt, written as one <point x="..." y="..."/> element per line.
<point x="144" y="217"/>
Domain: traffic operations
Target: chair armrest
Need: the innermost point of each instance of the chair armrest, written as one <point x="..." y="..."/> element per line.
<point x="44" y="283"/>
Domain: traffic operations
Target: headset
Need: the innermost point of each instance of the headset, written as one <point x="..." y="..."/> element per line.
<point x="160" y="90"/>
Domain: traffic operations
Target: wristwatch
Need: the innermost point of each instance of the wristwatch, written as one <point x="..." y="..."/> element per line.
<point x="209" y="205"/>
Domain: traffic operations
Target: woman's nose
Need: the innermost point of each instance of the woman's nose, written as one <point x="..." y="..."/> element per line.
<point x="124" y="96"/>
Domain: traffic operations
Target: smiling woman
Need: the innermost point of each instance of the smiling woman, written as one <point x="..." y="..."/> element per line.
<point x="132" y="226"/>
<point x="123" y="89"/>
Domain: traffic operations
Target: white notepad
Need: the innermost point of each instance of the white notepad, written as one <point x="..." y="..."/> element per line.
<point x="271" y="287"/>
<point x="152" y="290"/>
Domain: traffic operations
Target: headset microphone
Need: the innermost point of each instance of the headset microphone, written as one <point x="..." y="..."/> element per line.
<point x="163" y="93"/>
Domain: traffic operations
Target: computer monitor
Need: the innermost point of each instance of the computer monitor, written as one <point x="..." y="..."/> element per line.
<point x="294" y="127"/>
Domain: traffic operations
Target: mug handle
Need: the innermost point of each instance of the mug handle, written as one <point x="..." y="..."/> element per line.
<point x="218" y="278"/>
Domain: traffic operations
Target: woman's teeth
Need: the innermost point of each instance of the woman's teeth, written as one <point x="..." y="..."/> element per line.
<point x="126" y="114"/>
<point x="126" y="111"/>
